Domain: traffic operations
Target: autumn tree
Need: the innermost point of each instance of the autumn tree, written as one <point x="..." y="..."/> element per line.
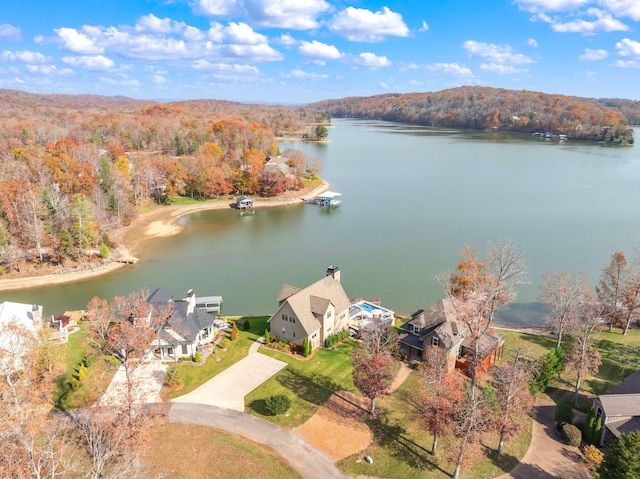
<point x="564" y="292"/>
<point x="630" y="296"/>
<point x="374" y="367"/>
<point x="584" y="358"/>
<point x="610" y="287"/>
<point x="514" y="398"/>
<point x="478" y="289"/>
<point x="441" y="389"/>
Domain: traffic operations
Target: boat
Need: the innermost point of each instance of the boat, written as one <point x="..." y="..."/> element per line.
<point x="329" y="198"/>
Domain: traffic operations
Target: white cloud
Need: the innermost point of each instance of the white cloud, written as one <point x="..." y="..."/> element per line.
<point x="500" y="68"/>
<point x="361" y="25"/>
<point x="628" y="48"/>
<point x="203" y="65"/>
<point x="450" y="69"/>
<point x="10" y="32"/>
<point x="157" y="79"/>
<point x="532" y="42"/>
<point x="590" y="55"/>
<point x="128" y="82"/>
<point x="604" y="23"/>
<point x="193" y="34"/>
<point x="424" y="27"/>
<point x="550" y="5"/>
<point x="304" y="75"/>
<point x="287" y="40"/>
<point x="293" y="14"/>
<point x="623" y="8"/>
<point x="243" y="34"/>
<point x="78" y="42"/>
<point x="318" y="52"/>
<point x="152" y="24"/>
<point x="25" y="56"/>
<point x="368" y="61"/>
<point x="627" y="64"/>
<point x="91" y="63"/>
<point x="49" y="70"/>
<point x="495" y="53"/>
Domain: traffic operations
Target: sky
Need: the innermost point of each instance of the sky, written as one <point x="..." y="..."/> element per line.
<point x="301" y="51"/>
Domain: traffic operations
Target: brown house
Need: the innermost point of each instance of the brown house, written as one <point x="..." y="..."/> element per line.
<point x="439" y="326"/>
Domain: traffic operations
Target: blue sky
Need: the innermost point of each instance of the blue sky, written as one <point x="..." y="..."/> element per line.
<point x="298" y="51"/>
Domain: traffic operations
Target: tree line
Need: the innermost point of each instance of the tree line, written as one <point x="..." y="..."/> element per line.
<point x="484" y="108"/>
<point x="73" y="169"/>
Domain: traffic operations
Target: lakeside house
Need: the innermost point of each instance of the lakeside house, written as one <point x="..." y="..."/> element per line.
<point x="15" y="318"/>
<point x="187" y="328"/>
<point x="438" y="326"/>
<point x="312" y="313"/>
<point x="619" y="410"/>
<point x="244" y="202"/>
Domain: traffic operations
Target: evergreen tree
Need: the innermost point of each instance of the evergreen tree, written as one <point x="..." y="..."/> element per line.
<point x="622" y="461"/>
<point x="305" y="347"/>
<point x="267" y="338"/>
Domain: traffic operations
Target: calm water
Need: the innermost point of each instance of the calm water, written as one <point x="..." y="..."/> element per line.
<point x="413" y="197"/>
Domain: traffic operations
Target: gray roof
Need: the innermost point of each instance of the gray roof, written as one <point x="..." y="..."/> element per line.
<point x="620" y="404"/>
<point x="441" y="319"/>
<point x="311" y="303"/>
<point x="186" y="324"/>
<point x="624" y="426"/>
<point x="160" y="295"/>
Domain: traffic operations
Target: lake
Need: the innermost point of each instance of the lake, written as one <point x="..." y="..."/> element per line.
<point x="412" y="198"/>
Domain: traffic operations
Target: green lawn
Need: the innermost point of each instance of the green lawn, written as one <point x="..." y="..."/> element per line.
<point x="307" y="381"/>
<point x="193" y="376"/>
<point x="98" y="377"/>
<point x="402" y="448"/>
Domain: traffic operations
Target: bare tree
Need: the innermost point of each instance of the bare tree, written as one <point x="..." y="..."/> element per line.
<point x="584" y="358"/>
<point x="630" y="296"/>
<point x="564" y="292"/>
<point x="610" y="286"/>
<point x="514" y="398"/>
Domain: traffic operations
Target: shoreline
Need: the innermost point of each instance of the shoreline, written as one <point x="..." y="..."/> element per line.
<point x="158" y="223"/>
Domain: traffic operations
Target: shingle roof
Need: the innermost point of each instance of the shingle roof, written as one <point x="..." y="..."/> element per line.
<point x="631" y="385"/>
<point x="160" y="295"/>
<point x="621" y="404"/>
<point x="311" y="303"/>
<point x="186" y="324"/>
<point x="440" y="318"/>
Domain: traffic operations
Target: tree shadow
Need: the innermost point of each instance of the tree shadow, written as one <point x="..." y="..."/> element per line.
<point x="259" y="406"/>
<point x="315" y="389"/>
<point x="505" y="462"/>
<point x="392" y="436"/>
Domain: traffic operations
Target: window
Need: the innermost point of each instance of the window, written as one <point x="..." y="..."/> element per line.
<point x="294" y="334"/>
<point x="416" y="329"/>
<point x="435" y="341"/>
<point x="284" y="317"/>
<point x="329" y="313"/>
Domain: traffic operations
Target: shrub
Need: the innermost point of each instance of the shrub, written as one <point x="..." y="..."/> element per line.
<point x="277" y="404"/>
<point x="87" y="361"/>
<point x="570" y="435"/>
<point x="593" y="455"/>
<point x="104" y="251"/>
<point x="75" y="384"/>
<point x="246" y="325"/>
<point x="172" y="376"/>
<point x="550" y="365"/>
<point x="305" y="347"/>
<point x="82" y="372"/>
<point x="234" y="332"/>
<point x="267" y="338"/>
<point x="197" y="357"/>
<point x="564" y="413"/>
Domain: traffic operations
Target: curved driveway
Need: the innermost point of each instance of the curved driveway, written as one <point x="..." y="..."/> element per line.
<point x="308" y="461"/>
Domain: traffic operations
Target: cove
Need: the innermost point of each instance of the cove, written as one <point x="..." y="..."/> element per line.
<point x="412" y="198"/>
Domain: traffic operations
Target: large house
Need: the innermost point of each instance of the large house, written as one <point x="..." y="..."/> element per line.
<point x="186" y="329"/>
<point x="312" y="313"/>
<point x="13" y="343"/>
<point x="619" y="410"/>
<point x="439" y="326"/>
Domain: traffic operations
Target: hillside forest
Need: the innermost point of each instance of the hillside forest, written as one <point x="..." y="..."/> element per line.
<point x="76" y="168"/>
<point x="483" y="108"/>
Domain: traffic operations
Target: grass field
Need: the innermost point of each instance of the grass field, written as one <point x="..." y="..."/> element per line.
<point x="197" y="452"/>
<point x="307" y="381"/>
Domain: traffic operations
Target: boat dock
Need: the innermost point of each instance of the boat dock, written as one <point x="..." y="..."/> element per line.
<point x="328" y="198"/>
<point x="211" y="304"/>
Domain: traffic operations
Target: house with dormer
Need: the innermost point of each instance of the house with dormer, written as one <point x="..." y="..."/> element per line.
<point x="439" y="326"/>
<point x="186" y="329"/>
<point x="619" y="410"/>
<point x="312" y="313"/>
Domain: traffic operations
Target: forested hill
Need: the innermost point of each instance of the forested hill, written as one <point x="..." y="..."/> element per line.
<point x="485" y="108"/>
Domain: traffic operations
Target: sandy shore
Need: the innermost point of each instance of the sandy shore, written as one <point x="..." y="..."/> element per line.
<point x="158" y="223"/>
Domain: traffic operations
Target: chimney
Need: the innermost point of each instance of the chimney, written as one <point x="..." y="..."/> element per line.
<point x="334" y="272"/>
<point x="191" y="301"/>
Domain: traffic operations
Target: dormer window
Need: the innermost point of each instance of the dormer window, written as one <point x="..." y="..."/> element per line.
<point x="435" y="341"/>
<point x="416" y="329"/>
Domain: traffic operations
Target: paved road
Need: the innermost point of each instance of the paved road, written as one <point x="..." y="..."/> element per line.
<point x="229" y="388"/>
<point x="547" y="457"/>
<point x="308" y="461"/>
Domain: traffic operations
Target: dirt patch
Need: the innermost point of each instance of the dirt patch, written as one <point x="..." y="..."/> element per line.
<point x="337" y="427"/>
